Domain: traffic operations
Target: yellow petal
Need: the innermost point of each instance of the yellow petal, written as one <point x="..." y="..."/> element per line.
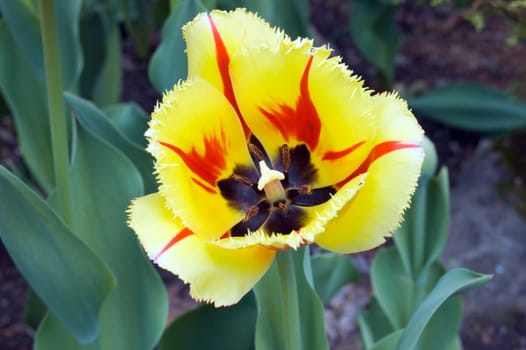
<point x="295" y="94"/>
<point x="392" y="176"/>
<point x="197" y="143"/>
<point x="212" y="38"/>
<point x="154" y="224"/>
<point x="213" y="273"/>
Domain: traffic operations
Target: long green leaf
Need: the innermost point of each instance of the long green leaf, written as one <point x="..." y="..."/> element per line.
<point x="101" y="78"/>
<point x="99" y="124"/>
<point x="22" y="77"/>
<point x="271" y="329"/>
<point x="168" y="63"/>
<point x="24" y="26"/>
<point x="453" y="282"/>
<point x="104" y="181"/>
<point x="374" y="33"/>
<point x="131" y="120"/>
<point x="108" y="86"/>
<point x="472" y="107"/>
<point x="139" y="20"/>
<point x="19" y="84"/>
<point x="388" y="342"/>
<point x="70" y="279"/>
<point x="424" y="231"/>
<point x="331" y="272"/>
<point x="373" y="324"/>
<point x="292" y="16"/>
<point x="228" y="328"/>
<point x="51" y="335"/>
<point x="388" y="271"/>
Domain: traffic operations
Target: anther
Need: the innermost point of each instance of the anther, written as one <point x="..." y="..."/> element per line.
<point x="282" y="206"/>
<point x="284" y="153"/>
<point x="251" y="212"/>
<point x="256" y="152"/>
<point x="243" y="179"/>
<point x="305" y="189"/>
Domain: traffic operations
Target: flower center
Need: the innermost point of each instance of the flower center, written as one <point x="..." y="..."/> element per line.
<point x="273" y="192"/>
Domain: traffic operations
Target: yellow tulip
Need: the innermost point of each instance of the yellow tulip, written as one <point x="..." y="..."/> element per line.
<point x="269" y="144"/>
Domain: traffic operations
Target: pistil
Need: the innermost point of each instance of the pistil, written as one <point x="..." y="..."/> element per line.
<point x="270" y="182"/>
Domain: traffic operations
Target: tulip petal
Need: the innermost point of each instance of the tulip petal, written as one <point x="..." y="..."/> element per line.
<point x="213" y="273"/>
<point x="196" y="145"/>
<point x="295" y="94"/>
<point x="392" y="176"/>
<point x="212" y="38"/>
<point x="155" y="225"/>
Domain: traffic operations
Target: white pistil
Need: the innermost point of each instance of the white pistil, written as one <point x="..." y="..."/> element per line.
<point x="270" y="181"/>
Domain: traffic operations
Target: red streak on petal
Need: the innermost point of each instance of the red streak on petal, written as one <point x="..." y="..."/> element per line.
<point x="204" y="187"/>
<point x="223" y="62"/>
<point x="207" y="166"/>
<point x="331" y="155"/>
<point x="378" y="151"/>
<point x="177" y="238"/>
<point x="303" y="122"/>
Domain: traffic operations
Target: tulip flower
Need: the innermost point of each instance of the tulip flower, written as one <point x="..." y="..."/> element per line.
<point x="269" y="144"/>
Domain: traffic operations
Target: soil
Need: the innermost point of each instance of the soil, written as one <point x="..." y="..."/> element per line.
<point x="487" y="232"/>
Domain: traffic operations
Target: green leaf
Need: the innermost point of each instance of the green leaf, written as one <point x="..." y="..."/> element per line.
<point x="70" y="279"/>
<point x="228" y="328"/>
<point x="19" y="84"/>
<point x="168" y="63"/>
<point x="424" y="231"/>
<point x="272" y="328"/>
<point x="139" y="21"/>
<point x="35" y="309"/>
<point x="292" y="16"/>
<point x="373" y="324"/>
<point x="131" y="120"/>
<point x="453" y="282"/>
<point x="103" y="182"/>
<point x="51" y="335"/>
<point x="388" y="342"/>
<point x="101" y="78"/>
<point x="374" y="32"/>
<point x="388" y="271"/>
<point x="108" y="86"/>
<point x="472" y="107"/>
<point x="22" y="80"/>
<point x="442" y="330"/>
<point x="331" y="272"/>
<point x="94" y="120"/>
<point x="23" y="24"/>
<point x="93" y="38"/>
<point x="24" y="29"/>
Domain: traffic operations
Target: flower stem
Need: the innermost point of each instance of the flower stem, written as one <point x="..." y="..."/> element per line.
<point x="290" y="311"/>
<point x="57" y="115"/>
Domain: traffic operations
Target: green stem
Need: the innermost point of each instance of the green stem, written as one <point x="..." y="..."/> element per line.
<point x="57" y="115"/>
<point x="290" y="311"/>
<point x="419" y="229"/>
